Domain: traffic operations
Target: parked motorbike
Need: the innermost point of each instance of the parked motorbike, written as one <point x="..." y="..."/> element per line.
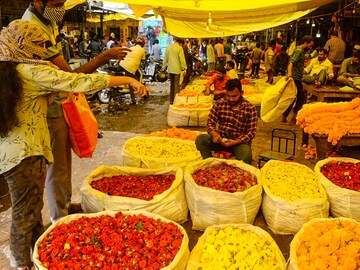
<point x="151" y="70"/>
<point x="242" y="58"/>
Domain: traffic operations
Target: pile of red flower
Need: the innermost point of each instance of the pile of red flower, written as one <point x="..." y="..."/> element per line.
<point x="343" y="174"/>
<point x="134" y="186"/>
<point x="224" y="177"/>
<point x="106" y="242"/>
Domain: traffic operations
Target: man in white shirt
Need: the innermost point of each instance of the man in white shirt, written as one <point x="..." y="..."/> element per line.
<point x="156" y="51"/>
<point x="131" y="63"/>
<point x="175" y="62"/>
<point x="319" y="70"/>
<point x="109" y="43"/>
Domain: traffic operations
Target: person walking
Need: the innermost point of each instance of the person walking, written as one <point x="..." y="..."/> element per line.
<point x="156" y="51"/>
<point x="210" y="54"/>
<point x="296" y="71"/>
<point x="174" y="61"/>
<point x="335" y="48"/>
<point x="255" y="58"/>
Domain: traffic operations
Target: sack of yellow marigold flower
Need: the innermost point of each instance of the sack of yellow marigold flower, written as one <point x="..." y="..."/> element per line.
<point x="188" y="115"/>
<point x="340" y="177"/>
<point x="112" y="240"/>
<point x="326" y="243"/>
<point x="120" y="188"/>
<point x="158" y="152"/>
<point x="293" y="195"/>
<point x="221" y="191"/>
<point x="193" y="94"/>
<point x="236" y="246"/>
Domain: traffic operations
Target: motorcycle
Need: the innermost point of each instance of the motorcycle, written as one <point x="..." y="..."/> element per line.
<point x="242" y="58"/>
<point x="151" y="70"/>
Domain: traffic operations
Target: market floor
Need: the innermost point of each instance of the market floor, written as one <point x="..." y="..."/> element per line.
<point x="118" y="126"/>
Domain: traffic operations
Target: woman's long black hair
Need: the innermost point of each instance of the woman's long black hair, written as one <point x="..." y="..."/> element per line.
<point x="10" y="96"/>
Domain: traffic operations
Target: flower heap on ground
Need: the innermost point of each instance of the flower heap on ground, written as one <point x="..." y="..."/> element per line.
<point x="333" y="119"/>
<point x="292" y="182"/>
<point x="174" y="132"/>
<point x="134" y="186"/>
<point x="329" y="244"/>
<point x="170" y="148"/>
<point x="111" y="242"/>
<point x="235" y="248"/>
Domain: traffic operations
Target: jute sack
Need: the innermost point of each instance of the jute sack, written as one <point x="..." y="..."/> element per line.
<point x="343" y="202"/>
<point x="171" y="204"/>
<point x="213" y="207"/>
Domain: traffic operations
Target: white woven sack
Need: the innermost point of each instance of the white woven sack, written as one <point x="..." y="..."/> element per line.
<point x="196" y="253"/>
<point x="193" y="99"/>
<point x="139" y="161"/>
<point x="343" y="202"/>
<point x="287" y="217"/>
<point x="171" y="204"/>
<point x="212" y="207"/>
<point x="292" y="261"/>
<point x="179" y="261"/>
<point x="188" y="117"/>
<point x="277" y="99"/>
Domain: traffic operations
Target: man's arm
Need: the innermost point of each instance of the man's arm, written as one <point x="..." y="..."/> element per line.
<point x="209" y="83"/>
<point x="211" y="124"/>
<point x="289" y="70"/>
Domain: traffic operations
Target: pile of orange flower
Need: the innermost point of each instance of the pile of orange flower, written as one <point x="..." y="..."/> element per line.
<point x="174" y="132"/>
<point x="329" y="244"/>
<point x="192" y="91"/>
<point x="333" y="119"/>
<point x="310" y="151"/>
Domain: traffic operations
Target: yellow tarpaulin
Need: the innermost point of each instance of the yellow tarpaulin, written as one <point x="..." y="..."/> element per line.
<point x="189" y="18"/>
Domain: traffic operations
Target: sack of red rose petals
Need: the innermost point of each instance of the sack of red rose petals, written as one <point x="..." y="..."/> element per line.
<point x="120" y="188"/>
<point x="220" y="191"/>
<point x="113" y="240"/>
<point x="340" y="177"/>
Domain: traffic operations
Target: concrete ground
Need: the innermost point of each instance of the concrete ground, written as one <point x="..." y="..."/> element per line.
<point x="148" y="116"/>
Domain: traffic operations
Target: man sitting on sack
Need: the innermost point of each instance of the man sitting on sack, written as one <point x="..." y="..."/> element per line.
<point x="320" y="70"/>
<point x="231" y="125"/>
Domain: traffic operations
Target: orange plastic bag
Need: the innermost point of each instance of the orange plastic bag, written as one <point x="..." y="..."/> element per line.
<point x="83" y="127"/>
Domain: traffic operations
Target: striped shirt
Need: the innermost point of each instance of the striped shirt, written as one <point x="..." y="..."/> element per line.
<point x="233" y="124"/>
<point x="336" y="50"/>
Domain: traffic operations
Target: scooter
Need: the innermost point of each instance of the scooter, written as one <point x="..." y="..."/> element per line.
<point x="151" y="70"/>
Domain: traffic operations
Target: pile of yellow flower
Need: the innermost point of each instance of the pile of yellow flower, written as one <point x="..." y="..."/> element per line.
<point x="235" y="248"/>
<point x="174" y="132"/>
<point x="192" y="91"/>
<point x="333" y="119"/>
<point x="192" y="106"/>
<point x="164" y="148"/>
<point x="291" y="181"/>
<point x="327" y="244"/>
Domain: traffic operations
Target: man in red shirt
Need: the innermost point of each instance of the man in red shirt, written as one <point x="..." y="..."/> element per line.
<point x="219" y="80"/>
<point x="231" y="125"/>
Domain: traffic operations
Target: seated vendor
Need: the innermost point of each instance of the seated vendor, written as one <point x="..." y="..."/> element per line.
<point x="219" y="80"/>
<point x="231" y="125"/>
<point x="230" y="70"/>
<point x="319" y="70"/>
<point x="350" y="68"/>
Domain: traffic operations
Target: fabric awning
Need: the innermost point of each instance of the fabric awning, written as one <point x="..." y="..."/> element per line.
<point x="189" y="18"/>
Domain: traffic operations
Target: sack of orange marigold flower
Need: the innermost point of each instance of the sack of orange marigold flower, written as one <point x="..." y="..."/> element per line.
<point x="120" y="188"/>
<point x="341" y="179"/>
<point x="112" y="240"/>
<point x="236" y="246"/>
<point x="326" y="243"/>
<point x="221" y="191"/>
<point x="293" y="195"/>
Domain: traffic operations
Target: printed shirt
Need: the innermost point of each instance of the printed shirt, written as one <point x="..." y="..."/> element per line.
<point x="336" y="49"/>
<point x="233" y="124"/>
<point x="174" y="59"/>
<point x="133" y="59"/>
<point x="298" y="60"/>
<point x="315" y="67"/>
<point x="31" y="136"/>
<point x="349" y="67"/>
